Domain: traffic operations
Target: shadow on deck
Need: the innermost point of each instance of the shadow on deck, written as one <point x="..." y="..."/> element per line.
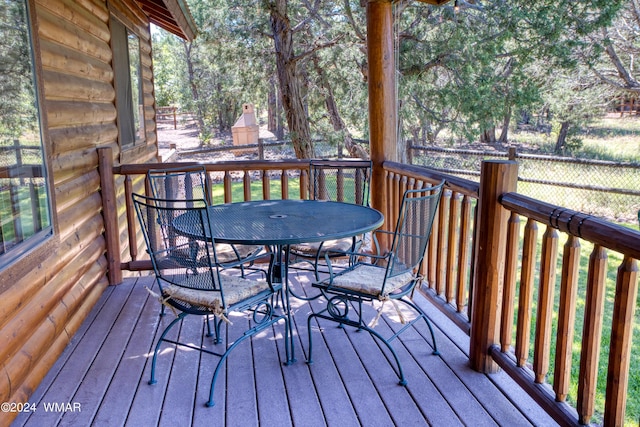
<point x="101" y="378"/>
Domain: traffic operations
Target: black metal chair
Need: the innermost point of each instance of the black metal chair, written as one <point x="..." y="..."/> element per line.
<point x="205" y="288"/>
<point x="188" y="183"/>
<point x="344" y="181"/>
<point x="391" y="276"/>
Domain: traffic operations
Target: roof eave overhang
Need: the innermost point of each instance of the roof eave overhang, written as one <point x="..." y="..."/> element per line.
<point x="171" y="15"/>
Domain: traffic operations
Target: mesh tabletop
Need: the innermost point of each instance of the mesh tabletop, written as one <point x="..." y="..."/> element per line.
<point x="285" y="222"/>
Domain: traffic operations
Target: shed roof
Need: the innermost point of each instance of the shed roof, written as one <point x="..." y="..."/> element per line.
<point x="171" y="15"/>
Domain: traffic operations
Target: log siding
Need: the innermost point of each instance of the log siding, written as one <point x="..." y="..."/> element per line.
<point x="47" y="294"/>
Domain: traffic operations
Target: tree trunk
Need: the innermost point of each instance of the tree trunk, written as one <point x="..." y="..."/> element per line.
<point x="354" y="149"/>
<point x="290" y="84"/>
<point x="562" y="137"/>
<point x="192" y="84"/>
<point x="275" y="110"/>
<point x="505" y="127"/>
<point x="488" y="136"/>
<point x="272" y="107"/>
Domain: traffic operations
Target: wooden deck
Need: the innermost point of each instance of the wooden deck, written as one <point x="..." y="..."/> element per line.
<point x="101" y="378"/>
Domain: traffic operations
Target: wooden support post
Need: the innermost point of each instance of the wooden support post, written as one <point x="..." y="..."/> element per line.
<point x="382" y="95"/>
<point x="497" y="178"/>
<point x="175" y="117"/>
<point x="261" y="148"/>
<point x="110" y="214"/>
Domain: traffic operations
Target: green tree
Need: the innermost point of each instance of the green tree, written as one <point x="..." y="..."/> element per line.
<point x="573" y="98"/>
<point x="17" y="92"/>
<point x="613" y="50"/>
<point x="479" y="59"/>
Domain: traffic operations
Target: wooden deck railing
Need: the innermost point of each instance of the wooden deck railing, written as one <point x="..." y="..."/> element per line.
<point x="511" y="283"/>
<point x="477" y="265"/>
<point x="604" y="236"/>
<point x="448" y="268"/>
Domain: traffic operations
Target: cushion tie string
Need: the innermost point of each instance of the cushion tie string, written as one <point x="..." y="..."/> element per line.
<point x="220" y="312"/>
<point x="384" y="300"/>
<point x="163" y="301"/>
<point x="217" y="309"/>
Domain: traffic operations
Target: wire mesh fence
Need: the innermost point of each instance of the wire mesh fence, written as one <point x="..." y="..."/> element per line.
<point x="610" y="190"/>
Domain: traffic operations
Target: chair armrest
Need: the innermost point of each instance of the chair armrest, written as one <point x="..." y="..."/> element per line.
<point x="377" y="255"/>
<point x="374" y="258"/>
<point x="375" y="239"/>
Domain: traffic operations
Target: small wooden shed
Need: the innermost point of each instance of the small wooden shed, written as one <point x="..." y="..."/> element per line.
<point x="77" y="49"/>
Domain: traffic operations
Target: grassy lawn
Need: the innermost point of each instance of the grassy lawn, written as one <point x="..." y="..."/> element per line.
<point x="609" y="138"/>
<point x="237" y="190"/>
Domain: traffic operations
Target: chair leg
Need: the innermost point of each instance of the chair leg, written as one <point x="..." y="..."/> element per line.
<point x="218" y="336"/>
<point x="399" y="372"/>
<point x="255" y="330"/>
<point x="211" y="402"/>
<point x="209" y="333"/>
<point x="309" y="358"/>
<point x="160" y="340"/>
<point x="359" y="326"/>
<point x="422" y="315"/>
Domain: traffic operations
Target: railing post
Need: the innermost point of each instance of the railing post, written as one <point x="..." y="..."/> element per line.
<point x="261" y="148"/>
<point x="110" y="215"/>
<point x="497" y="177"/>
<point x="175" y="117"/>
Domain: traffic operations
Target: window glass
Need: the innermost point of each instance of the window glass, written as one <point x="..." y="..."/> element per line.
<point x="128" y="82"/>
<point x="24" y="198"/>
<point x="136" y="84"/>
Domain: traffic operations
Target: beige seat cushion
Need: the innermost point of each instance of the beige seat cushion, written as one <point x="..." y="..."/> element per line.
<point x="311" y="249"/>
<point x="225" y="252"/>
<point x="368" y="279"/>
<point x="236" y="289"/>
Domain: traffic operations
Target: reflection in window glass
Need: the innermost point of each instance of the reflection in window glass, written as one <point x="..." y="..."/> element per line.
<point x="136" y="87"/>
<point x="128" y="82"/>
<point x="24" y="199"/>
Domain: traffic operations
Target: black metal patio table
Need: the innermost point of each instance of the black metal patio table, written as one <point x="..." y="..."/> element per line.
<point x="281" y="223"/>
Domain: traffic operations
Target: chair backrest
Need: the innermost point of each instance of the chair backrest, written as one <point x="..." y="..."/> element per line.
<point x="417" y="212"/>
<point x="184" y="183"/>
<point x="177" y="258"/>
<point x="340" y="180"/>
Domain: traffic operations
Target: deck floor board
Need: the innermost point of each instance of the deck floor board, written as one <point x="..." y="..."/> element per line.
<point x="107" y="365"/>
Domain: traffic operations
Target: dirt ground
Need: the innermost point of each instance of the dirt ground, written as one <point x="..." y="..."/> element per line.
<point x="185" y="138"/>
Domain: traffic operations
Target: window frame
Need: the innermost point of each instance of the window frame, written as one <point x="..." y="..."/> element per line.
<point x="37" y="247"/>
<point x="129" y="138"/>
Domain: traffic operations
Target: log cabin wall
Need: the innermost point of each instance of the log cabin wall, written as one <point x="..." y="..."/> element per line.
<point x="136" y="21"/>
<point x="47" y="294"/>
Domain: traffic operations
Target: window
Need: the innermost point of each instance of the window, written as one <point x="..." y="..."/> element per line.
<point x="128" y="82"/>
<point x="25" y="212"/>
